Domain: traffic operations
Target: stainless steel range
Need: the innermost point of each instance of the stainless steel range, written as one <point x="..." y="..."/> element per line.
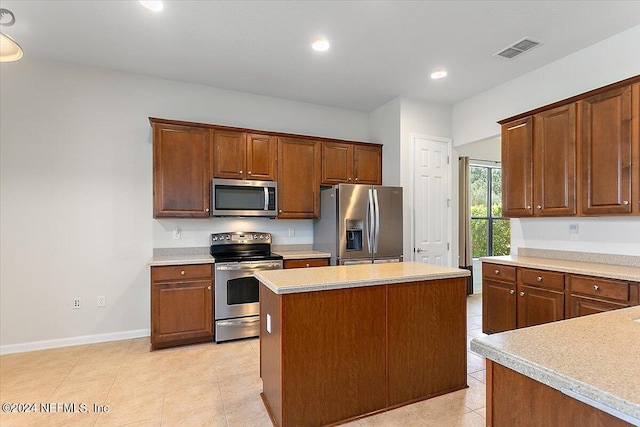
<point x="237" y="256"/>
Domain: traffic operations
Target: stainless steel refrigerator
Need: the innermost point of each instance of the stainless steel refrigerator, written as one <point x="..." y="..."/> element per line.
<point x="360" y="224"/>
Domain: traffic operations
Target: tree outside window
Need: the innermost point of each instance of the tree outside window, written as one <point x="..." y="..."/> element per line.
<point x="490" y="232"/>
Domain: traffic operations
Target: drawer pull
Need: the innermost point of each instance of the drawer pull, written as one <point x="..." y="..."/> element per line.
<point x="512" y="292"/>
<point x="182" y="272"/>
<point x="521" y="294"/>
<point x="209" y="287"/>
<point x="625" y="202"/>
<point x="539" y="206"/>
<point x="596" y="287"/>
<point x="497" y="271"/>
<point x="307" y="265"/>
<point x="528" y="207"/>
<point x="539" y="278"/>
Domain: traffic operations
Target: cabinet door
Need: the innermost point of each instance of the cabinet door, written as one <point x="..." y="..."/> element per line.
<point x="498" y="306"/>
<point x="517" y="168"/>
<point x="261" y="157"/>
<point x="537" y="306"/>
<point x="181" y="311"/>
<point x="228" y="154"/>
<point x="555" y="161"/>
<point x="298" y="178"/>
<point x="605" y="146"/>
<point x="337" y="163"/>
<point x="181" y="174"/>
<point x="367" y="164"/>
<point x="583" y="306"/>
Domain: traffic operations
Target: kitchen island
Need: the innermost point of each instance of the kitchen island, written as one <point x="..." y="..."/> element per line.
<point x="338" y="343"/>
<point x="582" y="371"/>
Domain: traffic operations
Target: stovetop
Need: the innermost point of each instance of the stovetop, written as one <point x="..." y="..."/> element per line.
<point x="242" y="246"/>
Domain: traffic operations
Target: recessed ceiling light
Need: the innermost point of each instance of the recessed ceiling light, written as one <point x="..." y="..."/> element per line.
<point x="438" y="74"/>
<point x="155" y="6"/>
<point x="320" y="45"/>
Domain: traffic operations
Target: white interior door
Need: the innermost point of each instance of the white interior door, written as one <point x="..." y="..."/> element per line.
<point x="431" y="201"/>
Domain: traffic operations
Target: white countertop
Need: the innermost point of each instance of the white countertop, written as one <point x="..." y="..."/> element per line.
<point x="351" y="276"/>
<point x="303" y="254"/>
<point x="159" y="260"/>
<point x="610" y="271"/>
<point x="594" y="358"/>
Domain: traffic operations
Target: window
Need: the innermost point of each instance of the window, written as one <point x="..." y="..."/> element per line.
<point x="490" y="232"/>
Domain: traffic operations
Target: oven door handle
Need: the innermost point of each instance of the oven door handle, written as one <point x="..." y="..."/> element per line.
<point x="248" y="267"/>
<point x="237" y="322"/>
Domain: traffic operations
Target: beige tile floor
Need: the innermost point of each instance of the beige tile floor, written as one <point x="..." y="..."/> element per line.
<point x="199" y="385"/>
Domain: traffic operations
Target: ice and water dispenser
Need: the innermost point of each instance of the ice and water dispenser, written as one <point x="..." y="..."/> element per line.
<point x="354" y="234"/>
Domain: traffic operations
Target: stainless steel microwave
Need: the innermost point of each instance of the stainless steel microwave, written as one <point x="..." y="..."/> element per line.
<point x="234" y="197"/>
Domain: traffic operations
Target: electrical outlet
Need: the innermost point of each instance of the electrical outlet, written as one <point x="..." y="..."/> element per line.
<point x="76" y="302"/>
<point x="292" y="231"/>
<point x="177" y="233"/>
<point x="102" y="301"/>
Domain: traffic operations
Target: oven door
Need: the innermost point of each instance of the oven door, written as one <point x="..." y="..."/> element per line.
<point x="237" y="289"/>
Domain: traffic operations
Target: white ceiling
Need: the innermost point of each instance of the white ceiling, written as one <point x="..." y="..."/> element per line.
<point x="379" y="49"/>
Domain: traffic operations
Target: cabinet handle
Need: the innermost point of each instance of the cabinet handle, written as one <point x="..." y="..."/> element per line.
<point x="280" y="210"/>
<point x="248" y="172"/>
<point x="596" y="287"/>
<point x="512" y="291"/>
<point x="496" y="271"/>
<point x="539" y="206"/>
<point x="206" y="210"/>
<point x="625" y="202"/>
<point x="209" y="287"/>
<point x="528" y="207"/>
<point x="182" y="272"/>
<point x="356" y="179"/>
<point x="349" y="179"/>
<point x="240" y="172"/>
<point x="521" y="294"/>
<point x="539" y="278"/>
<point x="307" y="265"/>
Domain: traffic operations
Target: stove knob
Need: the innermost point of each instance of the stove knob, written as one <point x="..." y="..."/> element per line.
<point x="255" y="236"/>
<point x="214" y="238"/>
<point x="263" y="237"/>
<point x="227" y="237"/>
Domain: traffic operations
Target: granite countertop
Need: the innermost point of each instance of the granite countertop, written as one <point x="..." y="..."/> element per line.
<point x="591" y="358"/>
<point x="611" y="271"/>
<point x="302" y="254"/>
<point x="351" y="276"/>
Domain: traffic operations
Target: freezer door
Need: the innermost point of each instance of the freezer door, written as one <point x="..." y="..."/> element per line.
<point x="354" y="221"/>
<point x="389" y="226"/>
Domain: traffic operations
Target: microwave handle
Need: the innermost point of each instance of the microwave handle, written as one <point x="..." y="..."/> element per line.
<point x="266" y="198"/>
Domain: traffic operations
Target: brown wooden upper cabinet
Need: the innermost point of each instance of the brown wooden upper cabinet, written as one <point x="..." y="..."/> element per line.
<point x="351" y="163"/>
<point x="606" y="152"/>
<point x="517" y="168"/>
<point x="580" y="156"/>
<point x="240" y="155"/>
<point x="181" y="171"/>
<point x="554" y="161"/>
<point x="299" y="163"/>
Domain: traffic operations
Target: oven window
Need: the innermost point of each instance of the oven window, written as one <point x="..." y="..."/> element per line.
<point x="242" y="290"/>
<point x="239" y="198"/>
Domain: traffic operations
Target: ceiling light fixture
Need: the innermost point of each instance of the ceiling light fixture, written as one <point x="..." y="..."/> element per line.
<point x="155" y="6"/>
<point x="320" y="45"/>
<point x="438" y="74"/>
<point x="9" y="49"/>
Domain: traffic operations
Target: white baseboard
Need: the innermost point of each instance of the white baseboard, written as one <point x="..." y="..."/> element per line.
<point x="67" y="342"/>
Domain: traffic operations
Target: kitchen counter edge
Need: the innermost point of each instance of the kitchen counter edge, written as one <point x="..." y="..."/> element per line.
<point x="160" y="260"/>
<point x="609" y="271"/>
<point x="291" y="281"/>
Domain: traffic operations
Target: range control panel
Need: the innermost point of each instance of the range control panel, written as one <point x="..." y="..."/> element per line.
<point x="240" y="237"/>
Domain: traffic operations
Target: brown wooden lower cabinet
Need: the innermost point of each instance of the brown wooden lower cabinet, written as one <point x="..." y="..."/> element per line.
<point x="514" y="399"/>
<point x="181" y="305"/>
<point x="336" y="355"/>
<point x="537" y="306"/>
<point x="306" y="263"/>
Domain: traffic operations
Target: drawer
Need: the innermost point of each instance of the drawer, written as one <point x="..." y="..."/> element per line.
<point x="542" y="278"/>
<point x="180" y="272"/>
<point x="498" y="272"/>
<point x="602" y="288"/>
<point x="307" y="262"/>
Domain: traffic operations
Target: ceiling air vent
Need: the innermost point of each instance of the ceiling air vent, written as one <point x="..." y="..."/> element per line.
<point x="517" y="48"/>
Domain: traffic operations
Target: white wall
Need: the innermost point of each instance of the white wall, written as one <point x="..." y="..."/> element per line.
<point x="76" y="195"/>
<point x="608" y="61"/>
<point x="384" y="123"/>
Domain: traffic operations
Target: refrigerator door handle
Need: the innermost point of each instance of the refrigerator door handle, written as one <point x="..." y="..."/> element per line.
<point x="377" y="219"/>
<point x="371" y="222"/>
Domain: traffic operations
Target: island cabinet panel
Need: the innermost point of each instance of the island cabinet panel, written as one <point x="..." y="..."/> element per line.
<point x="554" y="161"/>
<point x="516" y="400"/>
<point x="606" y="151"/>
<point x="181" y="171"/>
<point x="517" y="168"/>
<point x="426" y="351"/>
